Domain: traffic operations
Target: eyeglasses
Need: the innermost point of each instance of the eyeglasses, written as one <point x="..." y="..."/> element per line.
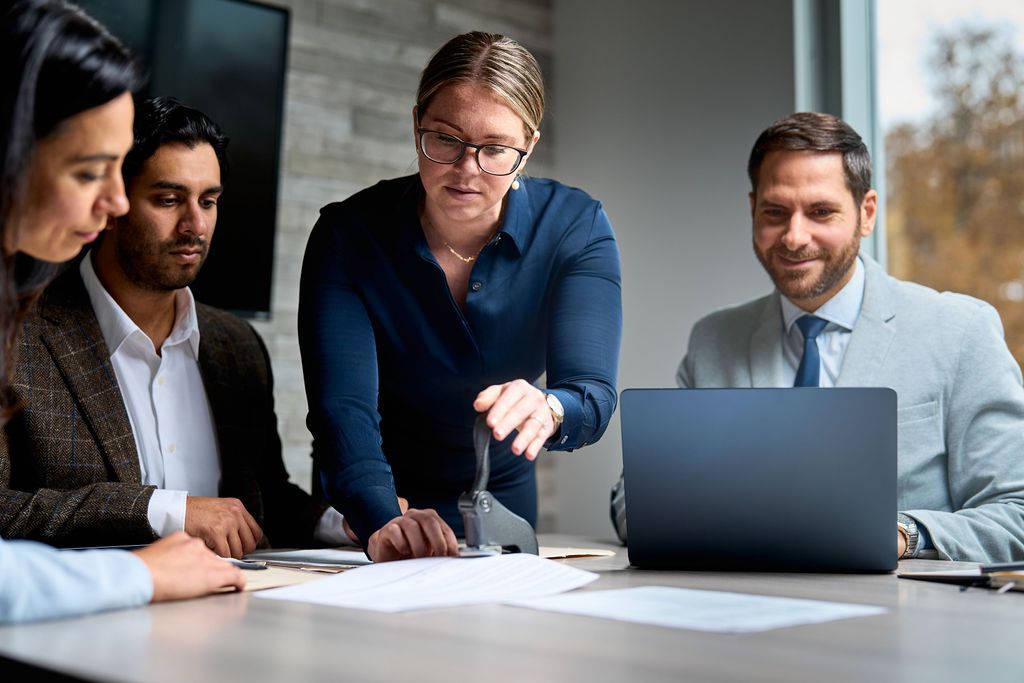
<point x="442" y="148"/>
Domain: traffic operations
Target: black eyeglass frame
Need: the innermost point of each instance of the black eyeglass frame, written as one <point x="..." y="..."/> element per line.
<point x="423" y="148"/>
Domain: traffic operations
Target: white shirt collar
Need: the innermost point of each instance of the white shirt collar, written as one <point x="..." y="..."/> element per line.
<point x="843" y="309"/>
<point x="116" y="326"/>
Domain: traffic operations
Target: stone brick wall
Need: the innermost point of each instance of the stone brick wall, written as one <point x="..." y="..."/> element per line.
<point x="352" y="75"/>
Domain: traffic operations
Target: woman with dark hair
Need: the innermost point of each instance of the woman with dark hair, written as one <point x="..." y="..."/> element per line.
<point x="431" y="299"/>
<point x="66" y="121"/>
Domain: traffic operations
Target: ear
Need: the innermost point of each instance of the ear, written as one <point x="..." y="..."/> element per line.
<point x="529" y="149"/>
<point x="868" y="213"/>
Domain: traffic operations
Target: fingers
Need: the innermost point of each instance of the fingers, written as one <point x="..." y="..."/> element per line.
<point x="235" y="545"/>
<point x="419" y="533"/>
<point x="403" y="504"/>
<point x="254" y="529"/>
<point x="486" y="398"/>
<point x="533" y="432"/>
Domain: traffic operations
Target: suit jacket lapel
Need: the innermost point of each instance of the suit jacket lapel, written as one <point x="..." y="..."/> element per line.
<point x="75" y="342"/>
<point x="765" y="354"/>
<point x="872" y="334"/>
<point x="219" y="377"/>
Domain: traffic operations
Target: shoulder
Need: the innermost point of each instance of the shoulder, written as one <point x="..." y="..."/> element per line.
<point x="216" y="324"/>
<point x="566" y="214"/>
<point x="739" y="320"/>
<point x="955" y="311"/>
<point x="367" y="206"/>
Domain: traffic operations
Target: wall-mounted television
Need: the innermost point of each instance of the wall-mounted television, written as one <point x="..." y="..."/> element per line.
<point x="227" y="58"/>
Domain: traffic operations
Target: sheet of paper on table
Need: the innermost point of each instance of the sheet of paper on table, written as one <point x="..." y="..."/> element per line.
<point x="438" y="582"/>
<point x="698" y="610"/>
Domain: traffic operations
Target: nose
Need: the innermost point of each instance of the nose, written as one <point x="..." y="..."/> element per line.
<point x="194" y="221"/>
<point x="468" y="163"/>
<point x="113" y="201"/>
<point x="797" y="234"/>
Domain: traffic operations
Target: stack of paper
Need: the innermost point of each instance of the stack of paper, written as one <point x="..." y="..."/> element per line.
<point x="438" y="582"/>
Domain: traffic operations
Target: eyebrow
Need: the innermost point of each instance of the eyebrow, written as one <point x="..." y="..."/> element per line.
<point x="504" y="139"/>
<point x="178" y="187"/>
<point x="93" y="158"/>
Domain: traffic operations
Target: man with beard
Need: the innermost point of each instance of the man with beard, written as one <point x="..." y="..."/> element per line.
<point x="837" y="319"/>
<point x="145" y="412"/>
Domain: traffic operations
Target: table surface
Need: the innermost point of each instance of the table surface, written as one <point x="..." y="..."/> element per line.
<point x="930" y="632"/>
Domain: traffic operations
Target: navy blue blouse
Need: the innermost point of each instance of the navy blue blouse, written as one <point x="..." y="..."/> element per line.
<point x="392" y="364"/>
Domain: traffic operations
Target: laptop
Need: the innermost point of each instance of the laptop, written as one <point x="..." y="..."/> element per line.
<point x="795" y="479"/>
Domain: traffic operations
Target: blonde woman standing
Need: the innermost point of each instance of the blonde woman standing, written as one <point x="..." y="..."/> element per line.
<point x="429" y="299"/>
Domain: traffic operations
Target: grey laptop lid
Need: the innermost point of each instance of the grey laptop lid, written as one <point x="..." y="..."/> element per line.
<point x="794" y="479"/>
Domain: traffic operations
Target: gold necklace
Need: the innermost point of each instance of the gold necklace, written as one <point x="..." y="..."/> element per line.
<point x="464" y="259"/>
<point x="450" y="248"/>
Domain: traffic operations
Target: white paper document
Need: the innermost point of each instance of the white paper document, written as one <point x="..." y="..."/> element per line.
<point x="697" y="609"/>
<point x="438" y="582"/>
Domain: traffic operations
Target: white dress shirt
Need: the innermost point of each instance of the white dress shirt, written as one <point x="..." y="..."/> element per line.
<point x="171" y="419"/>
<point x="841" y="312"/>
<point x="166" y="403"/>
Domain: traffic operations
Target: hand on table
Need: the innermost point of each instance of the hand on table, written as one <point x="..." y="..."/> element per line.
<point x="417" y="533"/>
<point x="517" y="405"/>
<point x="901" y="543"/>
<point x="403" y="505"/>
<point x="183" y="567"/>
<point x="223" y="524"/>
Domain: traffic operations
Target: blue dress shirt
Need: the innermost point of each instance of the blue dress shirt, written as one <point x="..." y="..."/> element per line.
<point x="392" y="364"/>
<point x="40" y="582"/>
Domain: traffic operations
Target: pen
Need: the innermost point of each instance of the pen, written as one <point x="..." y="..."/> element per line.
<point x="1001" y="567"/>
<point x="245" y="564"/>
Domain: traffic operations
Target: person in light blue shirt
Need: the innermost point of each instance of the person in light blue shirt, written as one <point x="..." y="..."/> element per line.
<point x="66" y="125"/>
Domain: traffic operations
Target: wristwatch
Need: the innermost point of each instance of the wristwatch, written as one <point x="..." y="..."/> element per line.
<point x="909" y="526"/>
<point x="557" y="411"/>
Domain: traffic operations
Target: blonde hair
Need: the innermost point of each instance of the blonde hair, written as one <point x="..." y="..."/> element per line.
<point x="500" y="63"/>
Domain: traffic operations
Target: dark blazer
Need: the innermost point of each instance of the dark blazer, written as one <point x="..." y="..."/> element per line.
<point x="69" y="468"/>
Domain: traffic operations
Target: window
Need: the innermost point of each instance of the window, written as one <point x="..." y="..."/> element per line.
<point x="951" y="110"/>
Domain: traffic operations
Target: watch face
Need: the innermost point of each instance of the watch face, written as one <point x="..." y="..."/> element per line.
<point x="555" y="405"/>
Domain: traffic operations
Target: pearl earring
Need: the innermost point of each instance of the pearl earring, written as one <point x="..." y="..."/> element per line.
<point x="515" y="183"/>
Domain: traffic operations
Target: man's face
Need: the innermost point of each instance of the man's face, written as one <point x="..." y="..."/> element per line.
<point x="163" y="240"/>
<point x="807" y="229"/>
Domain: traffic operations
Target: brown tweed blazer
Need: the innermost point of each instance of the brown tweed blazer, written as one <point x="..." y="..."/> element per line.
<point x="69" y="468"/>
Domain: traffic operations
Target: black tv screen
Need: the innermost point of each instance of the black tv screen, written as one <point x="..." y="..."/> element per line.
<point x="226" y="58"/>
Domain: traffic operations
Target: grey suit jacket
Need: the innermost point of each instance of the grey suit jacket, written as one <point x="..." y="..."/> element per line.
<point x="959" y="394"/>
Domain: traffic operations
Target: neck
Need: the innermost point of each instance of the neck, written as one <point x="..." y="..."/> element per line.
<point x="465" y="237"/>
<point x="153" y="311"/>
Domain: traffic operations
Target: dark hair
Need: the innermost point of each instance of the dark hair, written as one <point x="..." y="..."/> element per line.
<point x="815" y="132"/>
<point x="161" y="120"/>
<point x="58" y="62"/>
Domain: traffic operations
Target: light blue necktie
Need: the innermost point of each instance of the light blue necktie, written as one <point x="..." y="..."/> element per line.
<point x="810" y="364"/>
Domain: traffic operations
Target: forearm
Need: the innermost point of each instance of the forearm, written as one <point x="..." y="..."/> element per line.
<point x="39" y="582"/>
<point x="987" y="533"/>
<point x="106" y="513"/>
<point x="585" y="338"/>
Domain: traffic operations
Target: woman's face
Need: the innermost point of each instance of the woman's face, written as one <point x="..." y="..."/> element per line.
<point x="74" y="183"/>
<point x="461" y="192"/>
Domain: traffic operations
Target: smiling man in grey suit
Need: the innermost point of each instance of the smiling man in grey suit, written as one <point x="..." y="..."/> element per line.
<point x="837" y="319"/>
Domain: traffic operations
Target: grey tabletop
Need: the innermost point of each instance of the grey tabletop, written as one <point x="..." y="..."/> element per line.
<point x="930" y="632"/>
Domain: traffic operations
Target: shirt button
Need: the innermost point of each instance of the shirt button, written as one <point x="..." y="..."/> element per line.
<point x="477" y="286"/>
<point x="172" y="448"/>
<point x="161" y="379"/>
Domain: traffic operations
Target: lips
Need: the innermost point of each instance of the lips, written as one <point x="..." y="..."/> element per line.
<point x="461" y="192"/>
